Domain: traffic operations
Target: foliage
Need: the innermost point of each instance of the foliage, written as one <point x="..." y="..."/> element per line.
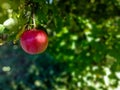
<point x="83" y="51"/>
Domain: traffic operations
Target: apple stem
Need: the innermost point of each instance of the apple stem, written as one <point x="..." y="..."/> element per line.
<point x="33" y="18"/>
<point x="33" y="15"/>
<point x="33" y="7"/>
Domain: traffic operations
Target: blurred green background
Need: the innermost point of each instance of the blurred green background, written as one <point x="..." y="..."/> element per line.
<point x="83" y="51"/>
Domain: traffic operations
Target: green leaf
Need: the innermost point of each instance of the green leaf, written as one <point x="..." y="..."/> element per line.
<point x="2" y="28"/>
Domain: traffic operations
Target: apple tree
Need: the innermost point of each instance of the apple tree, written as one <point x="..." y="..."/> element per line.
<point x="83" y="43"/>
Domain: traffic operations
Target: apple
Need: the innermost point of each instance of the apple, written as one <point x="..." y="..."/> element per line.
<point x="34" y="41"/>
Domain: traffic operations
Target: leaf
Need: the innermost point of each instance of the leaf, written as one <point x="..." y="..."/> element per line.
<point x="19" y="34"/>
<point x="2" y="28"/>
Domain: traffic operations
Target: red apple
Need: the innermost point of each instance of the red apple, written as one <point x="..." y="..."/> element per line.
<point x="34" y="41"/>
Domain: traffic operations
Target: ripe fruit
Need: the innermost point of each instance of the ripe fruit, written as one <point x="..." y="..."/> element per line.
<point x="34" y="41"/>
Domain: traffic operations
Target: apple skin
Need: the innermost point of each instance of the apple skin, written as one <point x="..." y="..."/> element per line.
<point x="34" y="41"/>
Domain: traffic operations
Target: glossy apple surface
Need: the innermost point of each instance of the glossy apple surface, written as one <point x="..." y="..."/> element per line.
<point x="34" y="41"/>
